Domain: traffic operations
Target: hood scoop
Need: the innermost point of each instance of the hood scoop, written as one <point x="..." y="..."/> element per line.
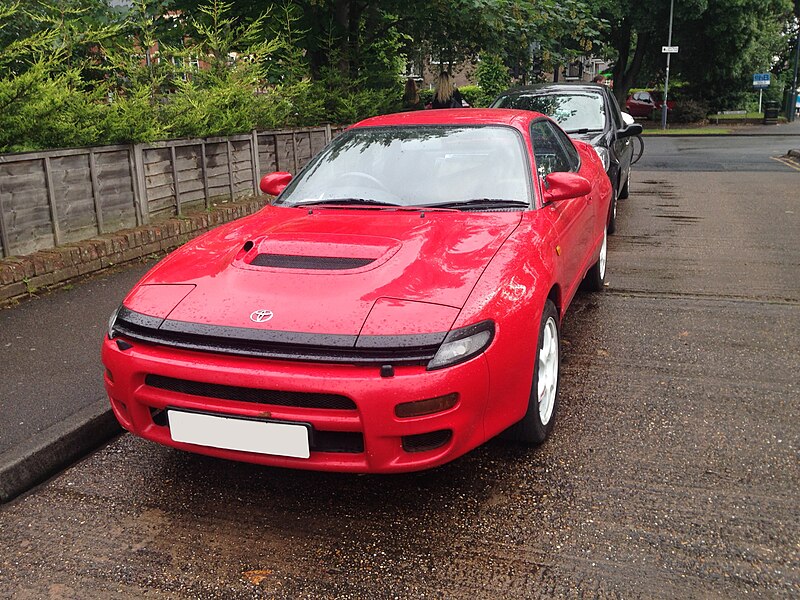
<point x="311" y="263"/>
<point x="316" y="252"/>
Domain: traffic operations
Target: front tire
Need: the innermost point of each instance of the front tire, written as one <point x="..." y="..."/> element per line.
<point x="596" y="277"/>
<point x="611" y="226"/>
<point x="538" y="421"/>
<point x="626" y="189"/>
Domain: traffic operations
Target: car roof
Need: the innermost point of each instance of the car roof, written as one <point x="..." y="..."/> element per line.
<point x="548" y="88"/>
<point x="456" y="116"/>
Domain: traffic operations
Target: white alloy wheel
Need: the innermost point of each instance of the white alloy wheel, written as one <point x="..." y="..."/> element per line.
<point x="601" y="261"/>
<point x="548" y="370"/>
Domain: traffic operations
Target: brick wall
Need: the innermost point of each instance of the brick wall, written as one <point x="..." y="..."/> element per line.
<point x="20" y="276"/>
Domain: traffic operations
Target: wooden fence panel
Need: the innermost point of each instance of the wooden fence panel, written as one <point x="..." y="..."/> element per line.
<point x="189" y="167"/>
<point x="318" y="141"/>
<point x="23" y="186"/>
<point x="242" y="167"/>
<point x="285" y="153"/>
<point x="67" y="195"/>
<point x="267" y="162"/>
<point x="73" y="194"/>
<point x="217" y="170"/>
<point x="115" y="193"/>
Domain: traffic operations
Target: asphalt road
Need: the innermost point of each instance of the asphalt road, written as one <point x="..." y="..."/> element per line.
<point x="672" y="473"/>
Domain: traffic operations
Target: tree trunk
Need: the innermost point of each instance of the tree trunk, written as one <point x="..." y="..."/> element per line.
<point x="341" y="16"/>
<point x="625" y="74"/>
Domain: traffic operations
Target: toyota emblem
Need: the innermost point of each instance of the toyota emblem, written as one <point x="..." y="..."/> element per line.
<point x="260" y="316"/>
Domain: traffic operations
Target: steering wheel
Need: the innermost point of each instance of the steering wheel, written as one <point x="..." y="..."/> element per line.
<point x="360" y="176"/>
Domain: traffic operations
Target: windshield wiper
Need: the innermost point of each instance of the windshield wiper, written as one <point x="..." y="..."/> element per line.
<point x="478" y="203"/>
<point x="346" y="202"/>
<point x="582" y="130"/>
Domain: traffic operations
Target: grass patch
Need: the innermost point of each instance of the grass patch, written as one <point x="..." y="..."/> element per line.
<point x="750" y="115"/>
<point x="688" y="131"/>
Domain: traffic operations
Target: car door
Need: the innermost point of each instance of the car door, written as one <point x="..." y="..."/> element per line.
<point x="622" y="148"/>
<point x="572" y="220"/>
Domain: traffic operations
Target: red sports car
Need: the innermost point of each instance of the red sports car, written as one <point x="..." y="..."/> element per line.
<point x="396" y="306"/>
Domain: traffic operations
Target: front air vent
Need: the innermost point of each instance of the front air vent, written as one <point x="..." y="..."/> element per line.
<point x="257" y="395"/>
<point x="313" y="263"/>
<point x="426" y="441"/>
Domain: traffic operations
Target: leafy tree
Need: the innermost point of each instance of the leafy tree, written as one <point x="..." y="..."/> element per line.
<point x="44" y="52"/>
<point x="722" y="42"/>
<point x="493" y="75"/>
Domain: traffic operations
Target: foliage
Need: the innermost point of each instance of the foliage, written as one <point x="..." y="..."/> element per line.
<point x="722" y="43"/>
<point x="689" y="111"/>
<point x="492" y="74"/>
<point x="426" y="96"/>
<point x="78" y="72"/>
<point x="475" y="96"/>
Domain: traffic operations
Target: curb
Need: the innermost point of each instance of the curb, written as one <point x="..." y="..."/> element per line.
<point x="58" y="446"/>
<point x="698" y="135"/>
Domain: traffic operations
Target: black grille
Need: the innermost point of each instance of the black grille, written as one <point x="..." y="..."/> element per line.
<point x="426" y="441"/>
<point x="349" y="442"/>
<point x="242" y="394"/>
<point x="314" y="263"/>
<point x="280" y="345"/>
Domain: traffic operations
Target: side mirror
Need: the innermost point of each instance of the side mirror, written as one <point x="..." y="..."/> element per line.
<point x="629" y="131"/>
<point x="274" y="183"/>
<point x="563" y="186"/>
<point x="627" y="119"/>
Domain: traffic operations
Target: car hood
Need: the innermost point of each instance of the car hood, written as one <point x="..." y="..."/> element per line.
<point x="328" y="270"/>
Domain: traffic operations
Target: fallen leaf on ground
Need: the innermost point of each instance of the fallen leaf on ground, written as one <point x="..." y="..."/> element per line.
<point x="257" y="576"/>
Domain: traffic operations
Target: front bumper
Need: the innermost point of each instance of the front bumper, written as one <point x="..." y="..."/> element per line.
<point x="357" y="431"/>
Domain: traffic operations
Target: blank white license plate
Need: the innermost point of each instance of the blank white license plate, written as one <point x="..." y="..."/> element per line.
<point x="281" y="439"/>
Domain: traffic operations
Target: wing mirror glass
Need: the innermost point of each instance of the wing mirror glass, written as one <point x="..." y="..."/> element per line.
<point x="629" y="131"/>
<point x="563" y="186"/>
<point x="274" y="183"/>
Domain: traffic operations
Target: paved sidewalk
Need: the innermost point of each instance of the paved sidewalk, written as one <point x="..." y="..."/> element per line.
<point x="53" y="407"/>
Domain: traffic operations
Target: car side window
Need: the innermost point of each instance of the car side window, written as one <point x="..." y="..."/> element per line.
<point x="572" y="153"/>
<point x="548" y="151"/>
<point x="615" y="110"/>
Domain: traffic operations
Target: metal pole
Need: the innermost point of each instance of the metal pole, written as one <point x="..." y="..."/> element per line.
<point x="793" y="95"/>
<point x="666" y="80"/>
<point x="760" y="94"/>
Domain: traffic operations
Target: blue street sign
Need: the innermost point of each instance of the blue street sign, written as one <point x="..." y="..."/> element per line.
<point x="761" y="80"/>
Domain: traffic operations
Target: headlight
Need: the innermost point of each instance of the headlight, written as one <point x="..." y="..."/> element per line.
<point x="111" y="320"/>
<point x="462" y="344"/>
<point x="604" y="157"/>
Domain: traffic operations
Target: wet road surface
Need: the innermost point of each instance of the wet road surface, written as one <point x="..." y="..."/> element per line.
<point x="672" y="471"/>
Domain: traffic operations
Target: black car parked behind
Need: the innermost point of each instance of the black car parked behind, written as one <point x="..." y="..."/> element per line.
<point x="588" y="112"/>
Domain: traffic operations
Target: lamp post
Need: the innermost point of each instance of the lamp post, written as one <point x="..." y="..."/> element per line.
<point x="666" y="80"/>
<point x="793" y="95"/>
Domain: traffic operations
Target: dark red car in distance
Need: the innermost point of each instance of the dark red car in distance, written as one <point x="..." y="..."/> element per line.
<point x="647" y="104"/>
<point x="396" y="306"/>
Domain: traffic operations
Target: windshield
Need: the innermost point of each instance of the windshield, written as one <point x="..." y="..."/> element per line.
<point x="416" y="166"/>
<point x="574" y="111"/>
